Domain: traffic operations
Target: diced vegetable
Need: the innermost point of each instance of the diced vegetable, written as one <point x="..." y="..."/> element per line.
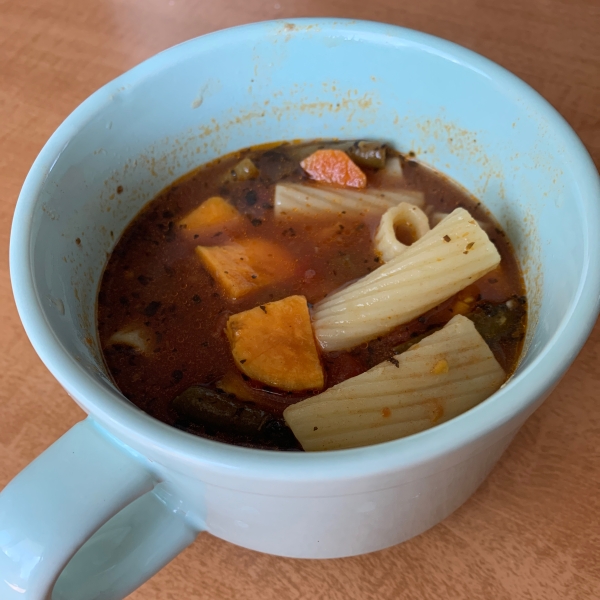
<point x="368" y="154"/>
<point x="503" y="320"/>
<point x="405" y="219"/>
<point x="220" y="413"/>
<point x="214" y="211"/>
<point x="243" y="171"/>
<point x="274" y="344"/>
<point x="310" y="200"/>
<point x="365" y="153"/>
<point x="335" y="167"/>
<point x="232" y="383"/>
<point x="447" y="373"/>
<point x="136" y="336"/>
<point x="276" y="164"/>
<point x="245" y="266"/>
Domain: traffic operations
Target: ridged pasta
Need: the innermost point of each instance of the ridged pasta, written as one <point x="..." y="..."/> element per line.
<point x="387" y="245"/>
<point x="445" y="260"/>
<point x="444" y="375"/>
<point x="438" y="217"/>
<point x="310" y="200"/>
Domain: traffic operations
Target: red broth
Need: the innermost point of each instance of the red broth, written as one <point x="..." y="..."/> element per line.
<point x="154" y="278"/>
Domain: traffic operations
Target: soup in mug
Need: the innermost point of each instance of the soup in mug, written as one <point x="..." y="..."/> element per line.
<point x="311" y="296"/>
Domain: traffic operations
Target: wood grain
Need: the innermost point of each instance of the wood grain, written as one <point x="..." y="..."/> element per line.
<point x="532" y="530"/>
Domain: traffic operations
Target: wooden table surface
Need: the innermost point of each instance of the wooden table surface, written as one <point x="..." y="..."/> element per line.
<point x="533" y="529"/>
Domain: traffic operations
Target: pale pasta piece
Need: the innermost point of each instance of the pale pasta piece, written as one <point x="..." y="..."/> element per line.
<point x="438" y="217"/>
<point x="445" y="260"/>
<point x="444" y="375"/>
<point x="309" y="200"/>
<point x="408" y="216"/>
<point x="390" y="175"/>
<point x="393" y="168"/>
<point x="136" y="336"/>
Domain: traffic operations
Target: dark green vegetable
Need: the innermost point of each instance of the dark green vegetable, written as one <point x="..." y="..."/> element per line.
<point x="364" y="153"/>
<point x="219" y="413"/>
<point x="275" y="165"/>
<point x="494" y="322"/>
<point x="368" y="154"/>
<point x="500" y="321"/>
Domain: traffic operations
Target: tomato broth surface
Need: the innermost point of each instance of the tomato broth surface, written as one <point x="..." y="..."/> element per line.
<point x="154" y="280"/>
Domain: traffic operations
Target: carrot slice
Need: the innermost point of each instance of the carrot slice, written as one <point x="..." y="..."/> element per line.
<point x="334" y="166"/>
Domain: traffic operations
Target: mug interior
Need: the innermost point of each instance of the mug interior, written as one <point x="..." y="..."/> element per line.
<point x="458" y="112"/>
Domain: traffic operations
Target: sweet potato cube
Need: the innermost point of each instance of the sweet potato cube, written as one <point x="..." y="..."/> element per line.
<point x="214" y="211"/>
<point x="232" y="383"/>
<point x="274" y="344"/>
<point x="244" y="266"/>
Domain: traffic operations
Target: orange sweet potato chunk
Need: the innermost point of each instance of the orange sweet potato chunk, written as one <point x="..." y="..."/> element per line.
<point x="274" y="344"/>
<point x="334" y="166"/>
<point x="244" y="266"/>
<point x="214" y="211"/>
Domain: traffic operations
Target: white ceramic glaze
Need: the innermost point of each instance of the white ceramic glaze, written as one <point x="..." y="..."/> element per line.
<point x="259" y="83"/>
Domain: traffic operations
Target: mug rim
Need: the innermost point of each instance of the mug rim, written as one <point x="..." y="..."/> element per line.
<point x="532" y="384"/>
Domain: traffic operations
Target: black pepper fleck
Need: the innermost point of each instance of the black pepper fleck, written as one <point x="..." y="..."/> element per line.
<point x="152" y="308"/>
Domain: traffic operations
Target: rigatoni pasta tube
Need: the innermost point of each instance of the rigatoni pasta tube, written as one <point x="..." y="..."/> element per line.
<point x="387" y="244"/>
<point x="444" y="375"/>
<point x="444" y="261"/>
<point x="296" y="199"/>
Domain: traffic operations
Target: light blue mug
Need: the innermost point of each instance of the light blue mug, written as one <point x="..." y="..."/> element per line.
<point x="121" y="494"/>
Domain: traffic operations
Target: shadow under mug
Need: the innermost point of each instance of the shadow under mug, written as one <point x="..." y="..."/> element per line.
<point x="120" y="494"/>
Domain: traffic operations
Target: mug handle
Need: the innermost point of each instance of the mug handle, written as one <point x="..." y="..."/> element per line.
<point x="66" y="500"/>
